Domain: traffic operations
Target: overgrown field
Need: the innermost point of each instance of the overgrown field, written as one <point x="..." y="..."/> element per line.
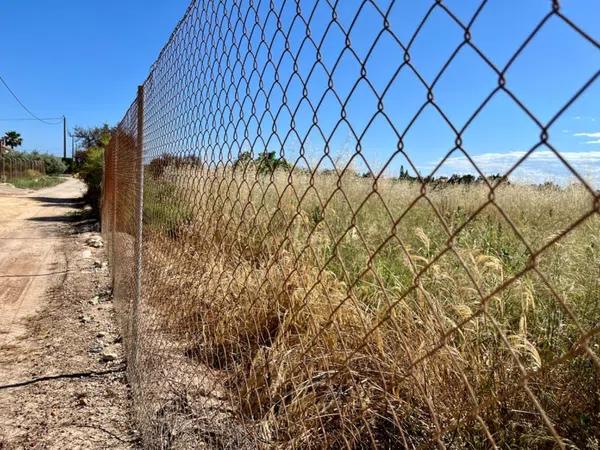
<point x="344" y="312"/>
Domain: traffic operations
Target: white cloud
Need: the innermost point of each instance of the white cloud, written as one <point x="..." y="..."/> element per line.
<point x="540" y="166"/>
<point x="597" y="141"/>
<point x="589" y="135"/>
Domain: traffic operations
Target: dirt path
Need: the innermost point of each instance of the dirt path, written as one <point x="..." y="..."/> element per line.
<point x="30" y="257"/>
<point x="57" y="317"/>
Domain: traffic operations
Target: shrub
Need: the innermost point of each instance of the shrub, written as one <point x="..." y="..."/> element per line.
<point x="91" y="174"/>
<point x="157" y="166"/>
<point x="54" y="165"/>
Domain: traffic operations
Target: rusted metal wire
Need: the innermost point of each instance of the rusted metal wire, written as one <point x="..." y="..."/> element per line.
<point x="13" y="167"/>
<point x="272" y="296"/>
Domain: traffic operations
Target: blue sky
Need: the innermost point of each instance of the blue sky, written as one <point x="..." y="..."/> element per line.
<point x="84" y="59"/>
<point x="80" y="58"/>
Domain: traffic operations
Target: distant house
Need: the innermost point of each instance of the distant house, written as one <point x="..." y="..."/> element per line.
<point x="4" y="149"/>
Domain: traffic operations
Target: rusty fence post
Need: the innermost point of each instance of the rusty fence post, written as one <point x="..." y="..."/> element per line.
<point x="115" y="193"/>
<point x="139" y="207"/>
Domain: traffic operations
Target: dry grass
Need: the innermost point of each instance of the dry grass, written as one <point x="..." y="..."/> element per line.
<point x="341" y="317"/>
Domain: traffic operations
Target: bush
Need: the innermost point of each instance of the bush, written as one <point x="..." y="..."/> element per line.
<point x="91" y="173"/>
<point x="78" y="160"/>
<point x="54" y="165"/>
<point x="157" y="166"/>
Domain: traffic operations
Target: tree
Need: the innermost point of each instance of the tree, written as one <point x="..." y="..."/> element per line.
<point x="244" y="159"/>
<point x="268" y="162"/>
<point x="93" y="137"/>
<point x="90" y="161"/>
<point x="13" y="139"/>
<point x="404" y="175"/>
<point x="265" y="163"/>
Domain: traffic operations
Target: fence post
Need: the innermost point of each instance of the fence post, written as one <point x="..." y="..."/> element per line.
<point x="115" y="193"/>
<point x="139" y="207"/>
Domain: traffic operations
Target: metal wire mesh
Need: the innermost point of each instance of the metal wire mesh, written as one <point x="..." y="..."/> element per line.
<point x="13" y="167"/>
<point x="278" y="298"/>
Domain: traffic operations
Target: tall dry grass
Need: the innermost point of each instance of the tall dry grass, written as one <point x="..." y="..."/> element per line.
<point x="349" y="313"/>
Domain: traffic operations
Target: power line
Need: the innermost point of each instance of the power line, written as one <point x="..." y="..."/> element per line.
<point x="22" y="104"/>
<point x="22" y="119"/>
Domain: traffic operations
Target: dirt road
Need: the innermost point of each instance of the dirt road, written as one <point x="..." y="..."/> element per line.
<point x="30" y="257"/>
<point x="62" y="383"/>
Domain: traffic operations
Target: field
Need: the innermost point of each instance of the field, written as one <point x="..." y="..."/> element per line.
<point x="344" y="312"/>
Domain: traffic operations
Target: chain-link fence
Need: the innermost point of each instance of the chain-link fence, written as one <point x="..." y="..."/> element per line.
<point x="295" y="267"/>
<point x="13" y="167"/>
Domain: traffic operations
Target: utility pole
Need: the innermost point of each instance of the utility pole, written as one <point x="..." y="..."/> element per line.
<point x="64" y="137"/>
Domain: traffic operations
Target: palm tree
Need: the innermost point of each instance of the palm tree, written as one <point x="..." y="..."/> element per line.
<point x="13" y="139"/>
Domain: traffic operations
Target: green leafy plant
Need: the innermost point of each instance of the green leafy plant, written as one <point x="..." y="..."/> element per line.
<point x="91" y="173"/>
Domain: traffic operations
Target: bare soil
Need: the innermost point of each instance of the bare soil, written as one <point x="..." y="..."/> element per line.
<point x="57" y="318"/>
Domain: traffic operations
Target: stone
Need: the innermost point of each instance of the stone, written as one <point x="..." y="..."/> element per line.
<point x="95" y="349"/>
<point x="108" y="356"/>
<point x="95" y="242"/>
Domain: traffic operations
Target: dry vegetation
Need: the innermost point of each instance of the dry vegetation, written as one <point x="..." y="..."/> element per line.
<point x="340" y="316"/>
